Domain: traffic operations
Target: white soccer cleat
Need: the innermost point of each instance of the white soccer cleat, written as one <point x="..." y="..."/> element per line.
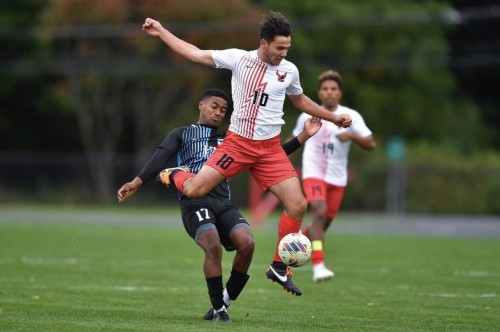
<point x="322" y="274"/>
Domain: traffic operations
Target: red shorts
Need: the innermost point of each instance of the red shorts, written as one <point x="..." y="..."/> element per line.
<point x="266" y="160"/>
<point x="317" y="189"/>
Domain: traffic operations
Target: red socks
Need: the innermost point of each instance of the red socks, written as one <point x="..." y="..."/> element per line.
<point x="286" y="226"/>
<point x="318" y="256"/>
<point x="180" y="177"/>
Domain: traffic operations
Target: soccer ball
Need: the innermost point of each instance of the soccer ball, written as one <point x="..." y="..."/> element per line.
<point x="295" y="249"/>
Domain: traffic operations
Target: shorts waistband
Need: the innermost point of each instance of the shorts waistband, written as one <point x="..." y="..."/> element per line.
<point x="265" y="143"/>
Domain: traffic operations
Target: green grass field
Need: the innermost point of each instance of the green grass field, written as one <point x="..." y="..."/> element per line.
<point x="74" y="276"/>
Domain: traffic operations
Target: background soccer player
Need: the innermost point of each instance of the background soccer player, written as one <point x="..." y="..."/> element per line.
<point x="324" y="166"/>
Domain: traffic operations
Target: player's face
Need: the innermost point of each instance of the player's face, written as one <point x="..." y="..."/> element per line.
<point x="276" y="50"/>
<point x="212" y="111"/>
<point x="329" y="93"/>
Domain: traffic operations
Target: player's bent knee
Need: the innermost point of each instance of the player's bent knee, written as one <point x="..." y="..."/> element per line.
<point x="248" y="247"/>
<point x="298" y="209"/>
<point x="214" y="251"/>
<point x="245" y="244"/>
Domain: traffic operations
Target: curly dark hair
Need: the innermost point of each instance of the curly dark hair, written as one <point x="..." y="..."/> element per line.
<point x="330" y="75"/>
<point x="274" y="24"/>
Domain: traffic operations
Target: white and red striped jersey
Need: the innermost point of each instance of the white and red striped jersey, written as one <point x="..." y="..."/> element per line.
<point x="325" y="157"/>
<point x="258" y="90"/>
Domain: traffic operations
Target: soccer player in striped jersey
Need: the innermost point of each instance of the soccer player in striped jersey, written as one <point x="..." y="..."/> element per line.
<point x="260" y="81"/>
<point x="212" y="221"/>
<point x="324" y="166"/>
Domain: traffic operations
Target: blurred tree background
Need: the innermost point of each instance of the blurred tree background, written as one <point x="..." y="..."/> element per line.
<point x="86" y="95"/>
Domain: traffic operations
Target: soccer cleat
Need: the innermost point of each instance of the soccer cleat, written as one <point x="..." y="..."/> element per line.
<point x="284" y="279"/>
<point x="221" y="316"/>
<point x="210" y="313"/>
<point x="322" y="275"/>
<point x="166" y="174"/>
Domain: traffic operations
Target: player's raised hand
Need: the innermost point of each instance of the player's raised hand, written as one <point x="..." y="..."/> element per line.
<point x="312" y="126"/>
<point x="152" y="27"/>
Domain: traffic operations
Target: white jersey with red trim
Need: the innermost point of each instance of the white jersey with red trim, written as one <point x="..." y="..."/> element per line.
<point x="258" y="90"/>
<point x="325" y="157"/>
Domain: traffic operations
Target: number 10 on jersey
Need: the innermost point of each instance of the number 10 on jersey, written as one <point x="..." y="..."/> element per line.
<point x="260" y="97"/>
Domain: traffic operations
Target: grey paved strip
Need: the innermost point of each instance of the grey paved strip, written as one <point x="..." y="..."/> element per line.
<point x="429" y="225"/>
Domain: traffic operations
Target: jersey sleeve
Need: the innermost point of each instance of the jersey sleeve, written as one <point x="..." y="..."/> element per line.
<point x="227" y="58"/>
<point x="294" y="88"/>
<point x="299" y="126"/>
<point x="166" y="150"/>
<point x="359" y="126"/>
<point x="173" y="140"/>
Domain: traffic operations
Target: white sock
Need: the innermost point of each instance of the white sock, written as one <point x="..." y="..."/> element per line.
<point x="223" y="308"/>
<point x="318" y="266"/>
<point x="227" y="299"/>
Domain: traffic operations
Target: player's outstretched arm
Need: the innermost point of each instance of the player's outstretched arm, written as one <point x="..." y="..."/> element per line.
<point x="128" y="189"/>
<point x="179" y="46"/>
<point x="306" y="105"/>
<point x="367" y="143"/>
<point x="311" y="127"/>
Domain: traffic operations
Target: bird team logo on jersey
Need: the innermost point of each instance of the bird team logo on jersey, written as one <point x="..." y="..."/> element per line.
<point x="281" y="78"/>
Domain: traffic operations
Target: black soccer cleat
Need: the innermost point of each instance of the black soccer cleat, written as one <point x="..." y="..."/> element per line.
<point x="284" y="278"/>
<point x="221" y="316"/>
<point x="210" y="313"/>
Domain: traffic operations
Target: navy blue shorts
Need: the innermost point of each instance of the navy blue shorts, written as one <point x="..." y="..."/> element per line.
<point x="201" y="214"/>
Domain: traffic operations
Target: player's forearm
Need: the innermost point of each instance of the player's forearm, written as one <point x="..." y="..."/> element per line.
<point x="303" y="137"/>
<point x="306" y="105"/>
<point x="186" y="50"/>
<point x="291" y="145"/>
<point x="367" y="143"/>
<point x="178" y="45"/>
<point x="154" y="165"/>
<point x="320" y="112"/>
<point x="136" y="182"/>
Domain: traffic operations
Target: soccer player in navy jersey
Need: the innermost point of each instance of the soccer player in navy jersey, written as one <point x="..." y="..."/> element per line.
<point x="261" y="79"/>
<point x="212" y="221"/>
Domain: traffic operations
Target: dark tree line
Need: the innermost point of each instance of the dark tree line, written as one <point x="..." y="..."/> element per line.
<point x="81" y="76"/>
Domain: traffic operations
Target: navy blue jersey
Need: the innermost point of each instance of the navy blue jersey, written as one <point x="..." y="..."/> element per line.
<point x="193" y="145"/>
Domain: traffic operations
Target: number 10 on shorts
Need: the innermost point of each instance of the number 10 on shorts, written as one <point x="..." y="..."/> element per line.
<point x="225" y="161"/>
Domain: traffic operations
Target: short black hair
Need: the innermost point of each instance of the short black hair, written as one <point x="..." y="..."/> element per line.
<point x="274" y="24"/>
<point x="216" y="93"/>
